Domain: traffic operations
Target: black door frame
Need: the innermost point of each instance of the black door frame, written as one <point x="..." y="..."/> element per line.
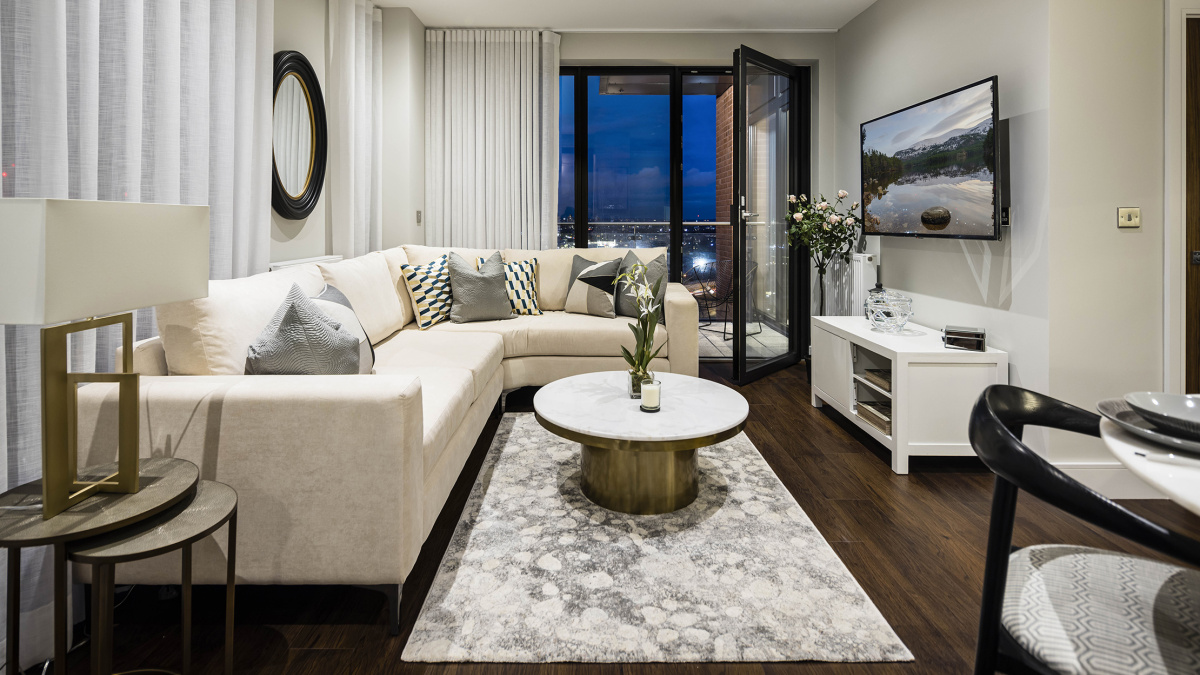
<point x="800" y="176"/>
<point x="799" y="182"/>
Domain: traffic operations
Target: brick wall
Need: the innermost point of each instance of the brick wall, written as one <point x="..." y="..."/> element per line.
<point x="724" y="236"/>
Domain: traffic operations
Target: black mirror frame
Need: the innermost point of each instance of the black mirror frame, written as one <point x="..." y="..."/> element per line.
<point x="297" y="208"/>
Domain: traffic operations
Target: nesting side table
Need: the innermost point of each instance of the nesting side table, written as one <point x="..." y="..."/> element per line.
<point x="180" y="526"/>
<point x="165" y="482"/>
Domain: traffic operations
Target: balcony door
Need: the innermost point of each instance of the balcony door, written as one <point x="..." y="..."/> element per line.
<point x="770" y="307"/>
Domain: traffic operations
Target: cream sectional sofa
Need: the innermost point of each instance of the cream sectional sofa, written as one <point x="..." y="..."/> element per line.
<point x="341" y="477"/>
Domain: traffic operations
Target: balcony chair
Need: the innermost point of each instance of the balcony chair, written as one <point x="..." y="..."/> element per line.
<point x="717" y="290"/>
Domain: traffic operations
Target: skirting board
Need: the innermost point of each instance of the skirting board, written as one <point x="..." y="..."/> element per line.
<point x="1110" y="479"/>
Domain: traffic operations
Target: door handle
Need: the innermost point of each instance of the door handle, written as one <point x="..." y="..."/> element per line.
<point x="747" y="214"/>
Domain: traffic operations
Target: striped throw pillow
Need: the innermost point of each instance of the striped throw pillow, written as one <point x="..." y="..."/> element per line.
<point x="429" y="287"/>
<point x="520" y="277"/>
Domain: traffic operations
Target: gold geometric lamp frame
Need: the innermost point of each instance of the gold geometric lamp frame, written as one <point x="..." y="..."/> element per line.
<point x="61" y="487"/>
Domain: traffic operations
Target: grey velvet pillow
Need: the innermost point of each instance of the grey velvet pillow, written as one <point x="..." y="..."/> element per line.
<point x="590" y="290"/>
<point x="655" y="269"/>
<point x="301" y="340"/>
<point x="335" y="305"/>
<point x="478" y="294"/>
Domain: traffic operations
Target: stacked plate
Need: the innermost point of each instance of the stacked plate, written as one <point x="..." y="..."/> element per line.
<point x="1170" y="420"/>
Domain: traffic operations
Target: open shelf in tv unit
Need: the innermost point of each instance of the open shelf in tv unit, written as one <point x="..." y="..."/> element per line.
<point x="931" y="389"/>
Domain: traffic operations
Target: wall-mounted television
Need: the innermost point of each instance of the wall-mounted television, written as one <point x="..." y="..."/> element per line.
<point x="931" y="169"/>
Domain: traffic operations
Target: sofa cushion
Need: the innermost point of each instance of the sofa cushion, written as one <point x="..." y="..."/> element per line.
<point x="656" y="271"/>
<point x="302" y="340"/>
<point x="211" y="336"/>
<point x="429" y="288"/>
<point x="520" y="278"/>
<point x="420" y="255"/>
<point x="366" y="281"/>
<point x="337" y="306"/>
<point x="478" y="352"/>
<point x="396" y="258"/>
<point x="552" y="334"/>
<point x="591" y="288"/>
<point x="446" y="396"/>
<point x="554" y="268"/>
<point x="479" y="291"/>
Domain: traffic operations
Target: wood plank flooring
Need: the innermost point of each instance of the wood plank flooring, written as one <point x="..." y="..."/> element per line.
<point x="915" y="543"/>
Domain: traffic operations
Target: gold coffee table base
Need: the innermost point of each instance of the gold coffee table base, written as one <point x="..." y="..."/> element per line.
<point x="640" y="477"/>
<point x="642" y="483"/>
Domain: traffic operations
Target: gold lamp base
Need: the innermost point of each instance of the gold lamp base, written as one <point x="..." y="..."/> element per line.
<point x="61" y="487"/>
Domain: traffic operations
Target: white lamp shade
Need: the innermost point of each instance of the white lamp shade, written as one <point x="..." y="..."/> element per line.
<point x="67" y="259"/>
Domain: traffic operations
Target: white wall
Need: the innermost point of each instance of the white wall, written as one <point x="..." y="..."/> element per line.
<point x="403" y="127"/>
<point x="883" y="67"/>
<point x="300" y="26"/>
<point x="1106" y="151"/>
<point x="818" y="50"/>
<point x="1076" y="302"/>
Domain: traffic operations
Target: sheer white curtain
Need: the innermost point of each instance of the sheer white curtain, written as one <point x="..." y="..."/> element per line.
<point x="354" y="106"/>
<point x="491" y="138"/>
<point x="127" y="100"/>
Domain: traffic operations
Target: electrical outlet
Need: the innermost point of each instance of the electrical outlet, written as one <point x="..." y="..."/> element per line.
<point x="418" y="217"/>
<point x="1129" y="217"/>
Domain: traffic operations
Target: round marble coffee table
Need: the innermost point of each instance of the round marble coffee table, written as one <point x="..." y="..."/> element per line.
<point x="636" y="462"/>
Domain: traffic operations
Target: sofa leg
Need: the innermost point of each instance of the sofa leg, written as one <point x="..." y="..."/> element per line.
<point x="393" y="593"/>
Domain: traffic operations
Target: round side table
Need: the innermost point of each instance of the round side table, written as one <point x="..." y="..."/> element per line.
<point x="180" y="526"/>
<point x="165" y="482"/>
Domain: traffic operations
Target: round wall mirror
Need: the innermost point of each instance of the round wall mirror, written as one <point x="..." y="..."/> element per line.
<point x="298" y="137"/>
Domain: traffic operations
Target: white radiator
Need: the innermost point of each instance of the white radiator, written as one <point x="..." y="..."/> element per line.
<point x="862" y="279"/>
<point x="276" y="266"/>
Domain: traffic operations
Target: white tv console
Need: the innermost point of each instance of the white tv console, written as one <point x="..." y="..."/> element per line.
<point x="932" y="388"/>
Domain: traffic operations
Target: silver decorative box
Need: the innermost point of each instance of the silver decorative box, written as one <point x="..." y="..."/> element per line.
<point x="965" y="338"/>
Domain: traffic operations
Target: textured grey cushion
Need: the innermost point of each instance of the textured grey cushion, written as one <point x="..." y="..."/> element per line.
<point x="337" y="306"/>
<point x="1086" y="610"/>
<point x="655" y="269"/>
<point x="301" y="340"/>
<point x="478" y="294"/>
<point x="590" y="289"/>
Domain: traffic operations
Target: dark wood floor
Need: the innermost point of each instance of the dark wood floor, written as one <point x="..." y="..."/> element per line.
<point x="915" y="543"/>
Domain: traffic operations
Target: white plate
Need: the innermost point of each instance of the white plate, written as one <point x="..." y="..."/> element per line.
<point x="1128" y="419"/>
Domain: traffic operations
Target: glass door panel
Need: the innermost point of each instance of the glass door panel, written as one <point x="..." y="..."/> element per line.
<point x="763" y="340"/>
<point x="629" y="160"/>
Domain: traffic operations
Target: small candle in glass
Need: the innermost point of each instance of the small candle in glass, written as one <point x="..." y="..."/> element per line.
<point x="651" y="395"/>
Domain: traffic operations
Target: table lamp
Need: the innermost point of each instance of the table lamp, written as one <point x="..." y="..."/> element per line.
<point x="68" y="259"/>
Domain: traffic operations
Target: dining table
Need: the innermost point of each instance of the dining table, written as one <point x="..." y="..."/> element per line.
<point x="1178" y="478"/>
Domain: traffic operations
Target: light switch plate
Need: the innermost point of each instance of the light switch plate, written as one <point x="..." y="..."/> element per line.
<point x="1129" y="216"/>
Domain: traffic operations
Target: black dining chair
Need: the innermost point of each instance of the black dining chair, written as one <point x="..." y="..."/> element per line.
<point x="1072" y="609"/>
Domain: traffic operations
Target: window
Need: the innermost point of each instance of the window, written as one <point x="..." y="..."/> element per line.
<point x="635" y="179"/>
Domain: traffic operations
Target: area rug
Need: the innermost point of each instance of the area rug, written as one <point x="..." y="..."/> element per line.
<point x="537" y="573"/>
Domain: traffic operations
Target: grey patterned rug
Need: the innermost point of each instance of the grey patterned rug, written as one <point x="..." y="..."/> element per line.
<point x="537" y="573"/>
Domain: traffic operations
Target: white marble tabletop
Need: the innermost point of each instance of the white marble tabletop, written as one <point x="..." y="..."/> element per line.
<point x="598" y="404"/>
<point x="1180" y="483"/>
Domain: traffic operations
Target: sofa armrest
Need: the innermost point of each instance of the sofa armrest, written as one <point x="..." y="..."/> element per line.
<point x="329" y="469"/>
<point x="149" y="357"/>
<point x="682" y="314"/>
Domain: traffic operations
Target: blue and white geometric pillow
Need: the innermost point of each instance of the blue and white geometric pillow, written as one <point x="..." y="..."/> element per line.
<point x="520" y="277"/>
<point x="429" y="287"/>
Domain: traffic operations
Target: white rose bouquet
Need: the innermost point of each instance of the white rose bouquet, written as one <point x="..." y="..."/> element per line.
<point x="827" y="231"/>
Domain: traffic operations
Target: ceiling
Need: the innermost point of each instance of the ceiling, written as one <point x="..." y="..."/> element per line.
<point x="637" y="15"/>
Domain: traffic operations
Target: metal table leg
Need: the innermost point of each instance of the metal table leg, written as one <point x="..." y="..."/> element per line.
<point x="103" y="580"/>
<point x="60" y="609"/>
<point x="231" y="566"/>
<point x="186" y="592"/>
<point x="14" y="610"/>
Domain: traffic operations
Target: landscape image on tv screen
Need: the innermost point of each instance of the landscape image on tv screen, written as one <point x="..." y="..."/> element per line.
<point x="930" y="170"/>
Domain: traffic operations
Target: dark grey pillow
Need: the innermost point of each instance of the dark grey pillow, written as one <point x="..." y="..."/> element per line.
<point x="301" y="340"/>
<point x="655" y="269"/>
<point x="590" y="290"/>
<point x="478" y="294"/>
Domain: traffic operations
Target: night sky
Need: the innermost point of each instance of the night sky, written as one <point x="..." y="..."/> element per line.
<point x="629" y="154"/>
